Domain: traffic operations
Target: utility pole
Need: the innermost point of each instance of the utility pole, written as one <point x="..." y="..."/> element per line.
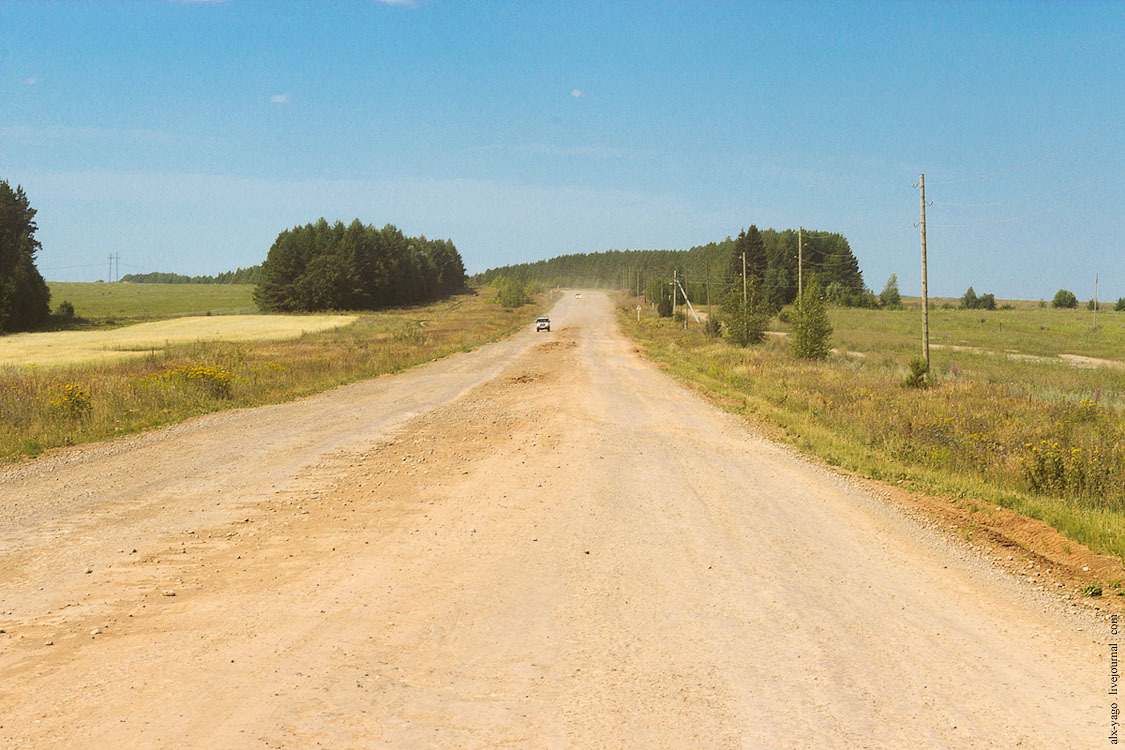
<point x="687" y="302"/>
<point x="710" y="320"/>
<point x="743" y="281"/>
<point x="673" y="294"/>
<point x="925" y="290"/>
<point x="800" y="260"/>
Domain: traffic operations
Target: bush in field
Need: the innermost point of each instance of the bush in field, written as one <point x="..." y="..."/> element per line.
<point x="919" y="376"/>
<point x="214" y="381"/>
<point x="970" y="301"/>
<point x="1064" y="298"/>
<point x="890" y="297"/>
<point x="73" y="402"/>
<point x="1092" y="305"/>
<point x="1120" y="306"/>
<point x="811" y="337"/>
<point x="65" y="311"/>
<point x="510" y="292"/>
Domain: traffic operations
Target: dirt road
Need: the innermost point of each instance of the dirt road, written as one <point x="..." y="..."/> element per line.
<point x="543" y="543"/>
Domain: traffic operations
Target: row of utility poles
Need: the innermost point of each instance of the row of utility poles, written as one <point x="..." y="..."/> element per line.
<point x="921" y="185"/>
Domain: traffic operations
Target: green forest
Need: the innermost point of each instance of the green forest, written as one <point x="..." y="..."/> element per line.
<point x="771" y="264"/>
<point x="322" y="266"/>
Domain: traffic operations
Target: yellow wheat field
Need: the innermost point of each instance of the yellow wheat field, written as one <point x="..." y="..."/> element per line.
<point x="69" y="347"/>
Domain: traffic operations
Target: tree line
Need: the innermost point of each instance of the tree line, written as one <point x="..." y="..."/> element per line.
<point x="249" y="275"/>
<point x="322" y="266"/>
<point x="24" y="297"/>
<point x="771" y="262"/>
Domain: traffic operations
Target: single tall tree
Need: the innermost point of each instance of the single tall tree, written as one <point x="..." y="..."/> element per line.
<point x="890" y="296"/>
<point x="811" y="337"/>
<point x="24" y="296"/>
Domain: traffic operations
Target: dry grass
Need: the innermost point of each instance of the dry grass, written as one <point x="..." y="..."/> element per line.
<point x="46" y="407"/>
<point x="144" y="339"/>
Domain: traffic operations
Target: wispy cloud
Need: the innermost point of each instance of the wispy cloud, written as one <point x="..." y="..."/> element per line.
<point x="32" y="81"/>
<point x="281" y="98"/>
<point x="577" y="93"/>
<point x="397" y="2"/>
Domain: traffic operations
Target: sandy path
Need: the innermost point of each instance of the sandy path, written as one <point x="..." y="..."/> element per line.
<point x="544" y="543"/>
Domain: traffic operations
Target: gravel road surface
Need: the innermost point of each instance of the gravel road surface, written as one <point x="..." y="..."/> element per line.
<point x="543" y="543"/>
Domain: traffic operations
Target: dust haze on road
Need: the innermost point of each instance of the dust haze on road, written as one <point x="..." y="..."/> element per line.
<point x="542" y="543"/>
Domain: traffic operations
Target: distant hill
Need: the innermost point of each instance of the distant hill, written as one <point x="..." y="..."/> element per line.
<point x="241" y="276"/>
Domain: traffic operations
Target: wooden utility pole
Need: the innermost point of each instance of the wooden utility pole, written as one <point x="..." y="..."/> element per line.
<point x="673" y="282"/>
<point x="744" y="281"/>
<point x="800" y="259"/>
<point x="710" y="320"/>
<point x="925" y="290"/>
<point x="687" y="302"/>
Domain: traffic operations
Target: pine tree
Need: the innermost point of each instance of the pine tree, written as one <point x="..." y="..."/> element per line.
<point x="811" y="337"/>
<point x="746" y="322"/>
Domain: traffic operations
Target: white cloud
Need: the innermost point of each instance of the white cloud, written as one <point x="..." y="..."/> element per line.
<point x="397" y="2"/>
<point x="577" y="93"/>
<point x="281" y="98"/>
<point x="32" y="81"/>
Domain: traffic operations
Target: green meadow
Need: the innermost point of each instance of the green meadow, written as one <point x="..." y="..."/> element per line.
<point x="122" y="302"/>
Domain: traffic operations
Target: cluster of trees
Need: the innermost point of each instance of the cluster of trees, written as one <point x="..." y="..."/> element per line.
<point x="1064" y="298"/>
<point x="771" y="261"/>
<point x="970" y="301"/>
<point x="24" y="297"/>
<point x="249" y="275"/>
<point x="511" y="292"/>
<point x="322" y="266"/>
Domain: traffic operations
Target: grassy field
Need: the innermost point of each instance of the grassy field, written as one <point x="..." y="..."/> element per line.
<point x="56" y="348"/>
<point x="48" y="407"/>
<point x="1009" y="421"/>
<point x="130" y="302"/>
<point x="1025" y="330"/>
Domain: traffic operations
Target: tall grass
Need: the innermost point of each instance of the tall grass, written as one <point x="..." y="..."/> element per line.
<point x="1042" y="437"/>
<point x="47" y="407"/>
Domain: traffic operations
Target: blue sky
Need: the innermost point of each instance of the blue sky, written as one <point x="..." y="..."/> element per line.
<point x="185" y="135"/>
